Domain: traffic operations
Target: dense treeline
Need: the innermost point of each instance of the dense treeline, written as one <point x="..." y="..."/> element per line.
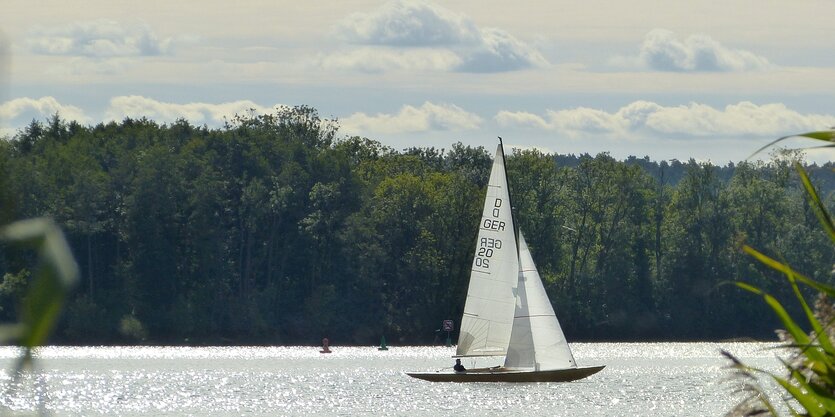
<point x="273" y="229"/>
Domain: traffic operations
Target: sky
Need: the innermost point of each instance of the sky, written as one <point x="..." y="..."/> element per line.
<point x="709" y="80"/>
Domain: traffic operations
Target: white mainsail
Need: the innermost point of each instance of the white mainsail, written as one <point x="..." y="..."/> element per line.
<point x="537" y="341"/>
<point x="507" y="312"/>
<point x="491" y="300"/>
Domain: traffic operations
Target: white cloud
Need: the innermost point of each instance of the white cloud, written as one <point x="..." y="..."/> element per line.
<point x="413" y="24"/>
<point x="410" y="119"/>
<point x="500" y="51"/>
<point x="378" y="60"/>
<point x="577" y="122"/>
<point x="98" y="38"/>
<point x="522" y="119"/>
<point x="642" y="118"/>
<point x="409" y="23"/>
<point x="21" y="111"/>
<point x="197" y="113"/>
<point x="741" y="119"/>
<point x="661" y="50"/>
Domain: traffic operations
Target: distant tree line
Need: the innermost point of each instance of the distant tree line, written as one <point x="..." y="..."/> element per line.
<point x="276" y="230"/>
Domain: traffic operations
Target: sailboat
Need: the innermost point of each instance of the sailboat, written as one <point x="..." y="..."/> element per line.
<point x="507" y="311"/>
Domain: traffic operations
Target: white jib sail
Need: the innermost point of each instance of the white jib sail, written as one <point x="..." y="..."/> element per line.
<point x="537" y="341"/>
<point x="491" y="299"/>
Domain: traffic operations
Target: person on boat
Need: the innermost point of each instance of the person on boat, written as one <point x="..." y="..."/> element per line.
<point x="458" y="367"/>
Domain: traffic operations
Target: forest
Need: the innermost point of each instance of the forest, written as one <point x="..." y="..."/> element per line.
<point x="276" y="229"/>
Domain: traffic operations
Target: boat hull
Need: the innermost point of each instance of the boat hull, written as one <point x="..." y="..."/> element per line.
<point x="499" y="374"/>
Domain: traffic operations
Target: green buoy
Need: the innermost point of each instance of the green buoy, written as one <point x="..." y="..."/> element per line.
<point x="382" y="344"/>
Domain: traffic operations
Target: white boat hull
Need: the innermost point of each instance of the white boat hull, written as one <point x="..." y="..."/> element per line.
<point x="500" y="374"/>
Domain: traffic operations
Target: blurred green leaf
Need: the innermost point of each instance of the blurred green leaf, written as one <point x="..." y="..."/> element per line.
<point x="55" y="276"/>
<point x="46" y="237"/>
<point x="9" y="333"/>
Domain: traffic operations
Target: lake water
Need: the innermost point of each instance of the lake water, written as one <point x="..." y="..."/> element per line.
<point x="640" y="379"/>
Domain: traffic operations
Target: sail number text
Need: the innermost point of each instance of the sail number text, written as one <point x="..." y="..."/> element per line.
<point x="486" y="245"/>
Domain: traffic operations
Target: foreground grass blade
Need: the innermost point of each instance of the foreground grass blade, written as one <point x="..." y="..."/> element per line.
<point x="821" y="336"/>
<point x="816" y="203"/>
<point x="811" y="374"/>
<point x="823" y="135"/>
<point x="751" y="386"/>
<point x="808" y="401"/>
<point x="796" y="332"/>
<point x="781" y="267"/>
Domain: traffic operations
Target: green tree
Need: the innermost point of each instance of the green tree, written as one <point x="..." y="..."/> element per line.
<point x="699" y="247"/>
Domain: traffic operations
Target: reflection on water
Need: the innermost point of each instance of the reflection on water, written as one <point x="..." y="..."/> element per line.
<point x="646" y="379"/>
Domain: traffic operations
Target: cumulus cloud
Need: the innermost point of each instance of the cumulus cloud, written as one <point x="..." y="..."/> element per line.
<point x="661" y="50"/>
<point x="23" y="110"/>
<point x="198" y="113"/>
<point x="20" y="111"/>
<point x="418" y="26"/>
<point x="409" y="23"/>
<point x="378" y="60"/>
<point x="693" y="120"/>
<point x="410" y="119"/>
<point x="499" y="51"/>
<point x="97" y="39"/>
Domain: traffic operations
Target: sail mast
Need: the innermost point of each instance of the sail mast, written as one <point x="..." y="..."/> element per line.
<point x="510" y="200"/>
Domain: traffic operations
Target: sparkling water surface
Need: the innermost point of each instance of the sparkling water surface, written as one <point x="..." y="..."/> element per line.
<point x="640" y="379"/>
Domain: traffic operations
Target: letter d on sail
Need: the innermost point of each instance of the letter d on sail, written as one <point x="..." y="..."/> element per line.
<point x="496" y="205"/>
